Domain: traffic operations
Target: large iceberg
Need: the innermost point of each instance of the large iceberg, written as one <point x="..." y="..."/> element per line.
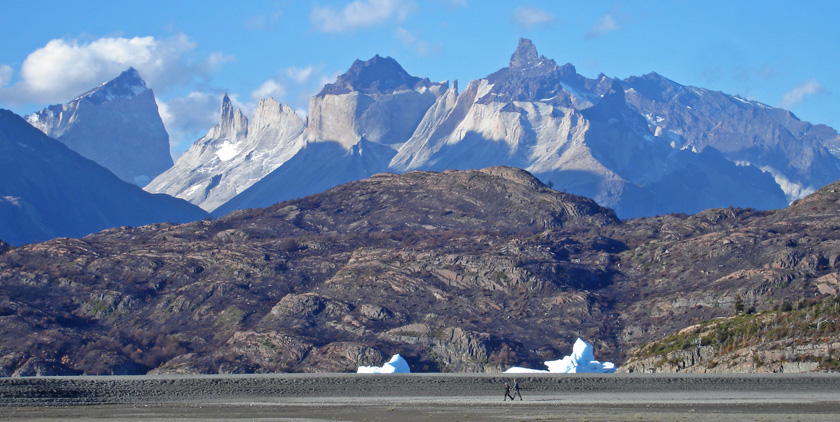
<point x="582" y="360"/>
<point x="397" y="365"/>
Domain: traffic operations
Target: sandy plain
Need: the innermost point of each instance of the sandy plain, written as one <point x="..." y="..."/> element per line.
<point x="423" y="397"/>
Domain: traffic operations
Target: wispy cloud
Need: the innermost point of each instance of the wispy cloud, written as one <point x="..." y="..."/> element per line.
<point x="528" y="17"/>
<point x="797" y="95"/>
<point x="292" y="85"/>
<point x="64" y="68"/>
<point x="359" y="14"/>
<point x="187" y="118"/>
<point x="412" y="41"/>
<point x="271" y="88"/>
<point x="300" y="75"/>
<point x="6" y="72"/>
<point x="605" y="24"/>
<point x="263" y="21"/>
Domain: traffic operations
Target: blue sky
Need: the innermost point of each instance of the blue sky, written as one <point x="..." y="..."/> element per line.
<point x="781" y="53"/>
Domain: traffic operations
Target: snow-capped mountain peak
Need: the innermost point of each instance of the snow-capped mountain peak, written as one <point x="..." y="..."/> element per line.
<point x="128" y="84"/>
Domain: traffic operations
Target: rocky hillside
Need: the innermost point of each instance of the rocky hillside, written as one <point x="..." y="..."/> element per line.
<point x="789" y="338"/>
<point x="692" y="268"/>
<point x="435" y="266"/>
<point x="456" y="271"/>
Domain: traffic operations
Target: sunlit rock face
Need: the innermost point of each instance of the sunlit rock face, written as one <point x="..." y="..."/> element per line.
<point x="234" y="154"/>
<point x="116" y="125"/>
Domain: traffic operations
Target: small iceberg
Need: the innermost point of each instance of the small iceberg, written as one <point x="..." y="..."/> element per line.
<point x="397" y="365"/>
<point x="582" y="360"/>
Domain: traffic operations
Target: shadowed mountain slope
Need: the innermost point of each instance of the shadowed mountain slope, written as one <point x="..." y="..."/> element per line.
<point x="48" y="190"/>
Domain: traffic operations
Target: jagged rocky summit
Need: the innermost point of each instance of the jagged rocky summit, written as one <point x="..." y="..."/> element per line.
<point x="47" y="190"/>
<point x="234" y="154"/>
<point x="116" y="125"/>
<point x="643" y="146"/>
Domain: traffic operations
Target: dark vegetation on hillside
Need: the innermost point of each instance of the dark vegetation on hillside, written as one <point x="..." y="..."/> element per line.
<point x="805" y="333"/>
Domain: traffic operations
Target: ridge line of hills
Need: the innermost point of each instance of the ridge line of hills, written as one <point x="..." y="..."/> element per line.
<point x="459" y="271"/>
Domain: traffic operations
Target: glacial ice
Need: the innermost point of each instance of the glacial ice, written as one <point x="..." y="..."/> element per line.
<point x="582" y="360"/>
<point x="397" y="365"/>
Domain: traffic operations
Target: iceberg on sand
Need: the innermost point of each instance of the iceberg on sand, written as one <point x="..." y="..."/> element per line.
<point x="582" y="360"/>
<point x="397" y="365"/>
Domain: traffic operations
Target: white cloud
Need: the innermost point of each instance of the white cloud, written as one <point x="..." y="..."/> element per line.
<point x="217" y="58"/>
<point x="528" y="17"/>
<point x="5" y="74"/>
<point x="190" y="117"/>
<point x="271" y="88"/>
<point x="359" y="14"/>
<point x="300" y="75"/>
<point x="64" y="68"/>
<point x="411" y="41"/>
<point x="797" y="95"/>
<point x="603" y="25"/>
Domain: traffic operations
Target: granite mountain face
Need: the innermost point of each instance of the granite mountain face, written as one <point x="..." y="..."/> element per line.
<point x="116" y="125"/>
<point x="643" y="146"/>
<point x="372" y="105"/>
<point x="49" y="191"/>
<point x="462" y="271"/>
<point x="796" y="153"/>
<point x="233" y="155"/>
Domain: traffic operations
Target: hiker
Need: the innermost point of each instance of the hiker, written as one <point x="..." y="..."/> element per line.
<point x="516" y="390"/>
<point x="507" y="393"/>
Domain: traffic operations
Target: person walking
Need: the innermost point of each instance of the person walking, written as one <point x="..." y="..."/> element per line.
<point x="516" y="390"/>
<point x="507" y="393"/>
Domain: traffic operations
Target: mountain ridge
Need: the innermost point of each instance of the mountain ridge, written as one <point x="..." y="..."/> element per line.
<point x="539" y="116"/>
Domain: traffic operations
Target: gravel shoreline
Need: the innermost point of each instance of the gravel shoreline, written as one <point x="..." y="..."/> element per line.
<point x="429" y="397"/>
<point x="174" y="389"/>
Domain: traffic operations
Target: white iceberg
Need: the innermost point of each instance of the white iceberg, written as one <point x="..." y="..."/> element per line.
<point x="397" y="365"/>
<point x="582" y="360"/>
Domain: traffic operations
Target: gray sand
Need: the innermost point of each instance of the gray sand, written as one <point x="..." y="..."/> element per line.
<point x="423" y="397"/>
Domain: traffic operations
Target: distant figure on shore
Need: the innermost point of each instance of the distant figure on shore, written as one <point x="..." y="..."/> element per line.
<point x="516" y="390"/>
<point x="507" y="393"/>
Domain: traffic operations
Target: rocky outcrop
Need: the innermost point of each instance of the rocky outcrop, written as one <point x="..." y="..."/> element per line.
<point x="452" y="348"/>
<point x="117" y="125"/>
<point x="774" y="359"/>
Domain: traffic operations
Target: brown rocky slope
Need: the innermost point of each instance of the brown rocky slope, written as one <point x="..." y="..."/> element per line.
<point x="458" y="271"/>
<point x="436" y="266"/>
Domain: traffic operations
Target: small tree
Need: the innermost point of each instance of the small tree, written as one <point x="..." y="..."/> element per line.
<point x="739" y="305"/>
